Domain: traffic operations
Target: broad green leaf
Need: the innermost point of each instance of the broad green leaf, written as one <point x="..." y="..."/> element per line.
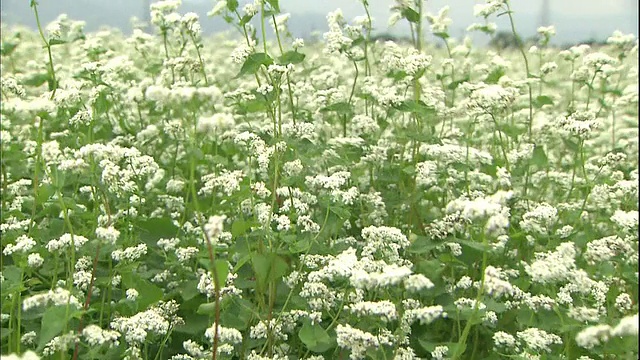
<point x="291" y="57"/>
<point x="539" y="157"/>
<point x="416" y="107"/>
<point x="274" y="4"/>
<point x="570" y="144"/>
<point x="154" y="229"/>
<point x="341" y="212"/>
<point x="542" y="100"/>
<point x="232" y="5"/>
<point x="315" y="337"/>
<point x="238" y="314"/>
<point x="268" y="267"/>
<point x="411" y="15"/>
<point x="261" y="267"/>
<point x="207" y="309"/>
<point x="53" y="42"/>
<point x="189" y="289"/>
<point x="454" y="84"/>
<point x="494" y="76"/>
<point x="239" y="227"/>
<point x="36" y="80"/>
<point x="474" y="245"/>
<point x="7" y="48"/>
<point x="53" y="322"/>
<point x="253" y="63"/>
<point x="442" y="35"/>
<point x="222" y="269"/>
<point x="148" y="292"/>
<point x="421" y="245"/>
<point x="245" y="20"/>
<point x="340" y="108"/>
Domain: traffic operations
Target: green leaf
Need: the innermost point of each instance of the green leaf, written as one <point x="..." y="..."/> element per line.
<point x="239" y="227"/>
<point x="253" y="63"/>
<point x="494" y="76"/>
<point x="148" y="292"/>
<point x="154" y="229"/>
<point x="208" y="309"/>
<point x="454" y="84"/>
<point x="421" y="245"/>
<point x="53" y="322"/>
<point x="261" y="267"/>
<point x="542" y="100"/>
<point x="441" y="35"/>
<point x="474" y="245"/>
<point x="315" y="337"/>
<point x="268" y="267"/>
<point x="274" y="4"/>
<point x="53" y="42"/>
<point x="291" y="57"/>
<point x="340" y="108"/>
<point x="245" y="20"/>
<point x="36" y="80"/>
<point x="238" y="314"/>
<point x="342" y="213"/>
<point x="411" y="15"/>
<point x="7" y="48"/>
<point x="539" y="157"/>
<point x="232" y="5"/>
<point x="416" y="107"/>
<point x="222" y="269"/>
<point x="570" y="144"/>
<point x="189" y="290"/>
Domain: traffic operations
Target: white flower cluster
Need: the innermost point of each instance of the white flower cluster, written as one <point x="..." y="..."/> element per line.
<point x="129" y="254"/>
<point x="552" y="267"/>
<point x="157" y="320"/>
<point x="540" y="219"/>
<point x="357" y="341"/>
<point x="335" y="39"/>
<point x="384" y="309"/>
<point x="384" y="243"/>
<point x="96" y="336"/>
<point x="580" y="124"/>
<point x="59" y="296"/>
<point x="538" y="340"/>
<point x="64" y="242"/>
<point x="496" y="282"/>
<point x="490" y="99"/>
<point x="599" y="334"/>
<point x="424" y="315"/>
<point x="453" y="153"/>
<point x="225" y="335"/>
<point x="227" y="181"/>
<point x="606" y="248"/>
<point x="23" y="244"/>
<point x="408" y="60"/>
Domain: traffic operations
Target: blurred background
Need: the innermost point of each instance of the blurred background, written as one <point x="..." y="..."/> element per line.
<point x="576" y="21"/>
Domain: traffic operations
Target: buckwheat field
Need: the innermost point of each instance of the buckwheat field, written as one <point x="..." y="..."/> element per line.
<point x="170" y="195"/>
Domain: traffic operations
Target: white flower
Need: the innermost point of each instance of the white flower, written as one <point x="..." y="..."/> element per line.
<point x="628" y="326"/>
<point x="417" y="283"/>
<point x="23" y="245"/>
<point x="132" y="294"/>
<point x="593" y="336"/>
<point x="214" y="226"/>
<point x="384" y="309"/>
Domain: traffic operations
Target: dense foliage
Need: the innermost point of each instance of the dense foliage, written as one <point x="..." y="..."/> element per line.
<point x="169" y="196"/>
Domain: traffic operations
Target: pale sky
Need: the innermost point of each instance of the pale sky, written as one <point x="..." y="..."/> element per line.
<point x="575" y="20"/>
